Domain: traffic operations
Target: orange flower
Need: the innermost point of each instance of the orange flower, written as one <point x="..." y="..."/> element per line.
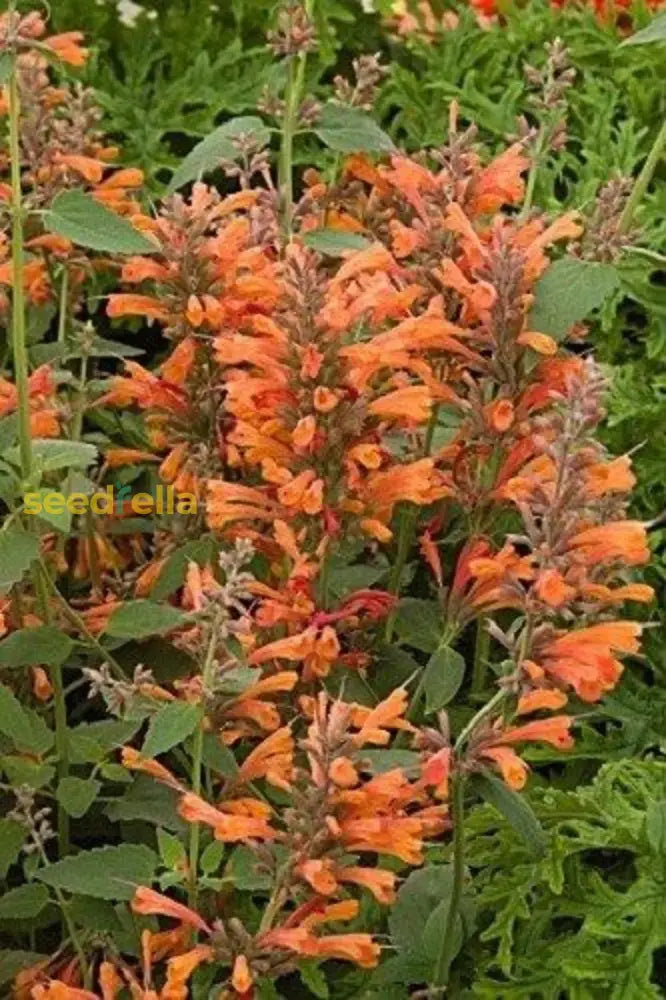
<point x="56" y="990"/>
<point x="551" y="588"/>
<point x="41" y="685"/>
<point x="623" y="541"/>
<point x="378" y="881"/>
<point x="241" y="976"/>
<point x="67" y="47"/>
<point x="124" y="304"/>
<point x="147" y="902"/>
<point x="272" y="759"/>
<point x="320" y="875"/>
<point x="133" y="761"/>
<point x="554" y="730"/>
<point x="180" y="969"/>
<point x="532" y="701"/>
<point x="512" y="768"/>
<point x="227" y="828"/>
<point x="357" y="948"/>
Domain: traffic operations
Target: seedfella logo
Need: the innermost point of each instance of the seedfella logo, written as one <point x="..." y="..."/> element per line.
<point x="113" y="501"/>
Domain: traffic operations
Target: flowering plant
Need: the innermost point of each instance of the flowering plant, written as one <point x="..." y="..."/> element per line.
<point x="409" y="547"/>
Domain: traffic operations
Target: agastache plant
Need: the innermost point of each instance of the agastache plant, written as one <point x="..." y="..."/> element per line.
<point x="348" y="422"/>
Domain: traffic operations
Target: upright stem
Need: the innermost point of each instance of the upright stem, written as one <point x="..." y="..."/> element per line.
<point x="62" y="306"/>
<point x="197" y="768"/>
<point x="18" y="297"/>
<point x="293" y="97"/>
<point x="481" y="647"/>
<point x="643" y="180"/>
<point x="447" y="950"/>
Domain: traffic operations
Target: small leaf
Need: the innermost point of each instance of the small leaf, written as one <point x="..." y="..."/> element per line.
<point x="61" y="520"/>
<point x="18" y="550"/>
<point x="22" y="903"/>
<point x="208" y="154"/>
<point x="171" y="850"/>
<point x="21" y="771"/>
<point x="654" y="32"/>
<point x="12" y="837"/>
<point x="568" y="292"/>
<point x="150" y="802"/>
<point x="106" y="872"/>
<point x="76" y="795"/>
<point x="334" y="242"/>
<point x="514" y="808"/>
<point x="347" y="130"/>
<point x="26" y="729"/>
<point x="170" y="727"/>
<point x="174" y="571"/>
<point x="655" y="827"/>
<point x="138" y="619"/>
<point x="419" y="623"/>
<point x="78" y="217"/>
<point x="41" y="646"/>
<point x="212" y="857"/>
<point x="444" y="673"/>
<point x="420" y="893"/>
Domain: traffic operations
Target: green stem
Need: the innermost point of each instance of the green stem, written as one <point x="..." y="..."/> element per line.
<point x="447" y="950"/>
<point x="532" y="176"/>
<point x="481" y="648"/>
<point x="197" y="769"/>
<point x="643" y="180"/>
<point x="487" y="710"/>
<point x="69" y="924"/>
<point x="19" y="349"/>
<point x="293" y="97"/>
<point x="62" y="306"/>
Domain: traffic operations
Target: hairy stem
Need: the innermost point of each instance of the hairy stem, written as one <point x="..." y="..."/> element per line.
<point x="643" y="180"/>
<point x="293" y="96"/>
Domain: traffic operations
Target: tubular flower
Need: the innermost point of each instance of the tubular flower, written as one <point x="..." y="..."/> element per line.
<point x="148" y="902"/>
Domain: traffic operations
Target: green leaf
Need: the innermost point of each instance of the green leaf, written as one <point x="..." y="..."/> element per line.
<point x="347" y="130"/>
<point x="208" y="154"/>
<point x="25" y="728"/>
<point x="655" y="827"/>
<point x="514" y="808"/>
<point x="171" y="850"/>
<point x="172" y="575"/>
<point x="381" y="761"/>
<point x="568" y="292"/>
<point x="444" y="673"/>
<point x="18" y="550"/>
<point x="170" y="727"/>
<point x="21" y="771"/>
<point x="313" y="978"/>
<point x="419" y="623"/>
<point x="106" y="872"/>
<point x="51" y="454"/>
<point x="13" y="962"/>
<point x="138" y="619"/>
<point x="654" y="32"/>
<point x="24" y="902"/>
<point x="6" y="66"/>
<point x="12" y="837"/>
<point x="41" y="646"/>
<point x="247" y="874"/>
<point x="334" y="242"/>
<point x="421" y="895"/>
<point x="78" y="217"/>
<point x="149" y="802"/>
<point x="62" y="520"/>
<point x="212" y="857"/>
<point x="76" y="795"/>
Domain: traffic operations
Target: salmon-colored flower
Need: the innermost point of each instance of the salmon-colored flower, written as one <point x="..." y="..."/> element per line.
<point x="242" y="979"/>
<point x="147" y="902"/>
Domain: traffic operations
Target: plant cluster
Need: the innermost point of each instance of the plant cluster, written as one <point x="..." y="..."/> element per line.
<point x="400" y="582"/>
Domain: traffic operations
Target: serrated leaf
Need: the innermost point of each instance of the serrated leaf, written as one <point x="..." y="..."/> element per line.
<point x="334" y="242"/>
<point x="247" y="874"/>
<point x="568" y="292"/>
<point x="208" y="154"/>
<point x="170" y="727"/>
<point x="381" y="761"/>
<point x="21" y="771"/>
<point x="79" y="218"/>
<point x="105" y="872"/>
<point x="24" y="902"/>
<point x="444" y="673"/>
<point x="347" y="130"/>
<point x="40" y="646"/>
<point x="173" y="573"/>
<point x="76" y="795"/>
<point x="150" y="802"/>
<point x="12" y="837"/>
<point x="419" y="623"/>
<point x="61" y="520"/>
<point x="25" y="729"/>
<point x="420" y="893"/>
<point x="18" y="550"/>
<point x="514" y="808"/>
<point x="138" y="619"/>
<point x="654" y="32"/>
<point x="51" y="454"/>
